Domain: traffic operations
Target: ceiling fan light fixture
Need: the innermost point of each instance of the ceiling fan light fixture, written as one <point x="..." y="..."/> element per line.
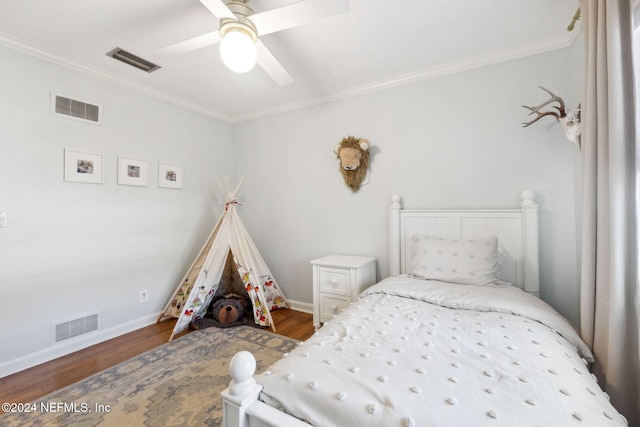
<point x="238" y="46"/>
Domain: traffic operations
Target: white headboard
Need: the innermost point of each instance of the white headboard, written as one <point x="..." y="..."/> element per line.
<point x="517" y="231"/>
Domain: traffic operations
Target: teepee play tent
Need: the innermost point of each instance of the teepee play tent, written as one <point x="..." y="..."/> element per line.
<point x="229" y="238"/>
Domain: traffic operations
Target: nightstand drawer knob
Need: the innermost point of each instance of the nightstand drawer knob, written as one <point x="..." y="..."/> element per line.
<point x="333" y="281"/>
<point x="334" y="308"/>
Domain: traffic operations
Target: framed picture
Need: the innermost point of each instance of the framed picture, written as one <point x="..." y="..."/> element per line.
<point x="80" y="166"/>
<point x="132" y="171"/>
<point x="169" y="176"/>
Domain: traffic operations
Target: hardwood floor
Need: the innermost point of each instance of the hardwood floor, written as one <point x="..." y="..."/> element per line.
<point x="36" y="382"/>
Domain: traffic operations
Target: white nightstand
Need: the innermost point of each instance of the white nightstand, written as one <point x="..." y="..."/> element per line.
<point x="337" y="281"/>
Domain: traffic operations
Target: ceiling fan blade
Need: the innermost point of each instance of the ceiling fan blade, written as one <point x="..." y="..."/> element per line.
<point x="296" y="14"/>
<point x="271" y="66"/>
<point x="192" y="44"/>
<point x="218" y="8"/>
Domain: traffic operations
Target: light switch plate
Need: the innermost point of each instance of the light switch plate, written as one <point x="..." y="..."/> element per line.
<point x="3" y="220"/>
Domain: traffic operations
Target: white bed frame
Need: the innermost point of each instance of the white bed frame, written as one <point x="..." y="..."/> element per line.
<point x="517" y="231"/>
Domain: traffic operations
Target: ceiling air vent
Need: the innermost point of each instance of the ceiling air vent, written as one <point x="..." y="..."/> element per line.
<point x="134" y="61"/>
<point x="70" y="108"/>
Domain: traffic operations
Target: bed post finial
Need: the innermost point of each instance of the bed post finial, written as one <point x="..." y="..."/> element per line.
<point x="242" y="390"/>
<point x="528" y="198"/>
<point x="396" y="201"/>
<point x="241" y="368"/>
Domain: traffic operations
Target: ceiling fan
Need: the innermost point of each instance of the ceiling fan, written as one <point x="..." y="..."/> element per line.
<point x="239" y="23"/>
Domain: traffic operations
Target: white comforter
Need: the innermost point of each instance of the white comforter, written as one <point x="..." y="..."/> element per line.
<point x="424" y="353"/>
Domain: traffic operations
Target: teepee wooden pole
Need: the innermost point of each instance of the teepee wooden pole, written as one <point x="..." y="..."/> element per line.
<point x="224" y="188"/>
<point x="235" y="192"/>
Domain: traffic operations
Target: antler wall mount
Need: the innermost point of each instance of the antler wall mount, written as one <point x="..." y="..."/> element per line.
<point x="569" y="119"/>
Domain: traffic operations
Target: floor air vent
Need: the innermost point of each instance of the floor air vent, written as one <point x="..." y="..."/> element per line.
<point x="73" y="328"/>
<point x="76" y="109"/>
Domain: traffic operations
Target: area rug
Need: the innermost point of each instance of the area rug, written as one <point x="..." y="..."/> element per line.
<point x="176" y="384"/>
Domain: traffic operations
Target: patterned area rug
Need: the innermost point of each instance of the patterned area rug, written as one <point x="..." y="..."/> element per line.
<point x="177" y="384"/>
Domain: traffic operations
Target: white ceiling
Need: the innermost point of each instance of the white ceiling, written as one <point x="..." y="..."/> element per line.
<point x="378" y="44"/>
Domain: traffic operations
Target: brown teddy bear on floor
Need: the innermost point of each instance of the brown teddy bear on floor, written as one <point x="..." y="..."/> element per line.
<point x="228" y="308"/>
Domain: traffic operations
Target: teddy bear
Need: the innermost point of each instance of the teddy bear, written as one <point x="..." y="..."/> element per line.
<point x="228" y="309"/>
<point x="353" y="154"/>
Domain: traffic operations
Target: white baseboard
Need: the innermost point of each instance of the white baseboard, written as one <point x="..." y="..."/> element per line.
<point x="304" y="307"/>
<point x="96" y="337"/>
<point x="74" y="344"/>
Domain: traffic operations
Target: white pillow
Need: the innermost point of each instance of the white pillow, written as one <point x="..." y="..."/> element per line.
<point x="464" y="261"/>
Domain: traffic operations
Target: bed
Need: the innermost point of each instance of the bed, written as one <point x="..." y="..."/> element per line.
<point x="456" y="336"/>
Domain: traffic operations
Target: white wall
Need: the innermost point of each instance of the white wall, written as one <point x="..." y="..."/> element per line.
<point x="74" y="249"/>
<point x="450" y="142"/>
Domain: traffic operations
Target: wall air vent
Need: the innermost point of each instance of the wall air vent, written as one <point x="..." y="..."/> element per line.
<point x="70" y="108"/>
<point x="134" y="61"/>
<point x="72" y="328"/>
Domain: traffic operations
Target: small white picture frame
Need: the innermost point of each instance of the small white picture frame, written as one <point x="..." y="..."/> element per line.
<point x="170" y="176"/>
<point x="80" y="166"/>
<point x="132" y="171"/>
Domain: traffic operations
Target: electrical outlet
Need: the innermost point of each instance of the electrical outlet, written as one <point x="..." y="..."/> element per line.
<point x="3" y="220"/>
<point x="144" y="295"/>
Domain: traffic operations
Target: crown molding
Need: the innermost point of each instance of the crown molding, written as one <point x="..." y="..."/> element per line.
<point x="427" y="74"/>
<point x="404" y="79"/>
<point x="76" y="65"/>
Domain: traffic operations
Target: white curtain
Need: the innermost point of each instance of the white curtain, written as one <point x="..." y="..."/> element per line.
<point x="610" y="291"/>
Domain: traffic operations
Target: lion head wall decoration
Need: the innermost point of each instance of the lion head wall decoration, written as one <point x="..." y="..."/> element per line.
<point x="353" y="154"/>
